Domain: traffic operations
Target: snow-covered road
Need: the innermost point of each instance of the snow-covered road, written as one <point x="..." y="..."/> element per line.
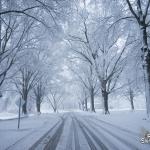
<point x="71" y="131"/>
<point x="79" y="132"/>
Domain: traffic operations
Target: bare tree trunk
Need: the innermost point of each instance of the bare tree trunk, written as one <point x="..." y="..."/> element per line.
<point x="132" y="104"/>
<point x="141" y="17"/>
<point x="146" y="66"/>
<point x="86" y="109"/>
<point x="55" y="106"/>
<point x="0" y="37"/>
<point x="82" y="104"/>
<point x="92" y="100"/>
<point x="105" y="99"/>
<point x="55" y="110"/>
<point x="38" y="106"/>
<point x="0" y="25"/>
<point x="131" y="98"/>
<point x="24" y="107"/>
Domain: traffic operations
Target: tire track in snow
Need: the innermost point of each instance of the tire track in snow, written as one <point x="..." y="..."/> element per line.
<point x="90" y="136"/>
<point x="76" y="136"/>
<point x="116" y="127"/>
<point x="70" y="137"/>
<point x="73" y="138"/>
<point x="50" y="140"/>
<point x="43" y="138"/>
<point x="119" y="138"/>
<point x="53" y="141"/>
<point x="12" y="146"/>
<point x="110" y="144"/>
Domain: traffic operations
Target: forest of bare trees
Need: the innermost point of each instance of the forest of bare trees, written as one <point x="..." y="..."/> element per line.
<point x="79" y="51"/>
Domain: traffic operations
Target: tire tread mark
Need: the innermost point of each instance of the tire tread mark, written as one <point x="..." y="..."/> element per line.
<point x="117" y="127"/>
<point x="104" y="138"/>
<point x="117" y="137"/>
<point x="53" y="141"/>
<point x="90" y="142"/>
<point x="33" y="147"/>
<point x="70" y="137"/>
<point x="77" y="145"/>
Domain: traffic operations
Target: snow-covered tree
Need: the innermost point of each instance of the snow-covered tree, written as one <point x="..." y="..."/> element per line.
<point x="103" y="48"/>
<point x="39" y="92"/>
<point x="139" y="10"/>
<point x="25" y="82"/>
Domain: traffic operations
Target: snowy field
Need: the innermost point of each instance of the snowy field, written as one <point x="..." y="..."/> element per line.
<point x="120" y="130"/>
<point x="31" y="129"/>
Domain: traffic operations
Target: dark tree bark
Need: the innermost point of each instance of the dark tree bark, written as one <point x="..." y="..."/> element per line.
<point x="105" y="96"/>
<point x="39" y="92"/>
<point x="141" y="16"/>
<point x="24" y="83"/>
<point x="146" y="67"/>
<point x="38" y="106"/>
<point x="55" y="110"/>
<point x="132" y="104"/>
<point x="105" y="99"/>
<point x="86" y="109"/>
<point x="131" y="98"/>
<point x="0" y="25"/>
<point x="92" y="100"/>
<point x="24" y="106"/>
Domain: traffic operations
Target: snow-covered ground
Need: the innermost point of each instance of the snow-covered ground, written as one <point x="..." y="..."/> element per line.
<point x="11" y="116"/>
<point x="121" y="130"/>
<point x="6" y="115"/>
<point x="31" y="129"/>
<point x="135" y="121"/>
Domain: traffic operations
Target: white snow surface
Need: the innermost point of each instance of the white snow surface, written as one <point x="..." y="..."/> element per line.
<point x="31" y="129"/>
<point x="120" y="130"/>
<point x="6" y="115"/>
